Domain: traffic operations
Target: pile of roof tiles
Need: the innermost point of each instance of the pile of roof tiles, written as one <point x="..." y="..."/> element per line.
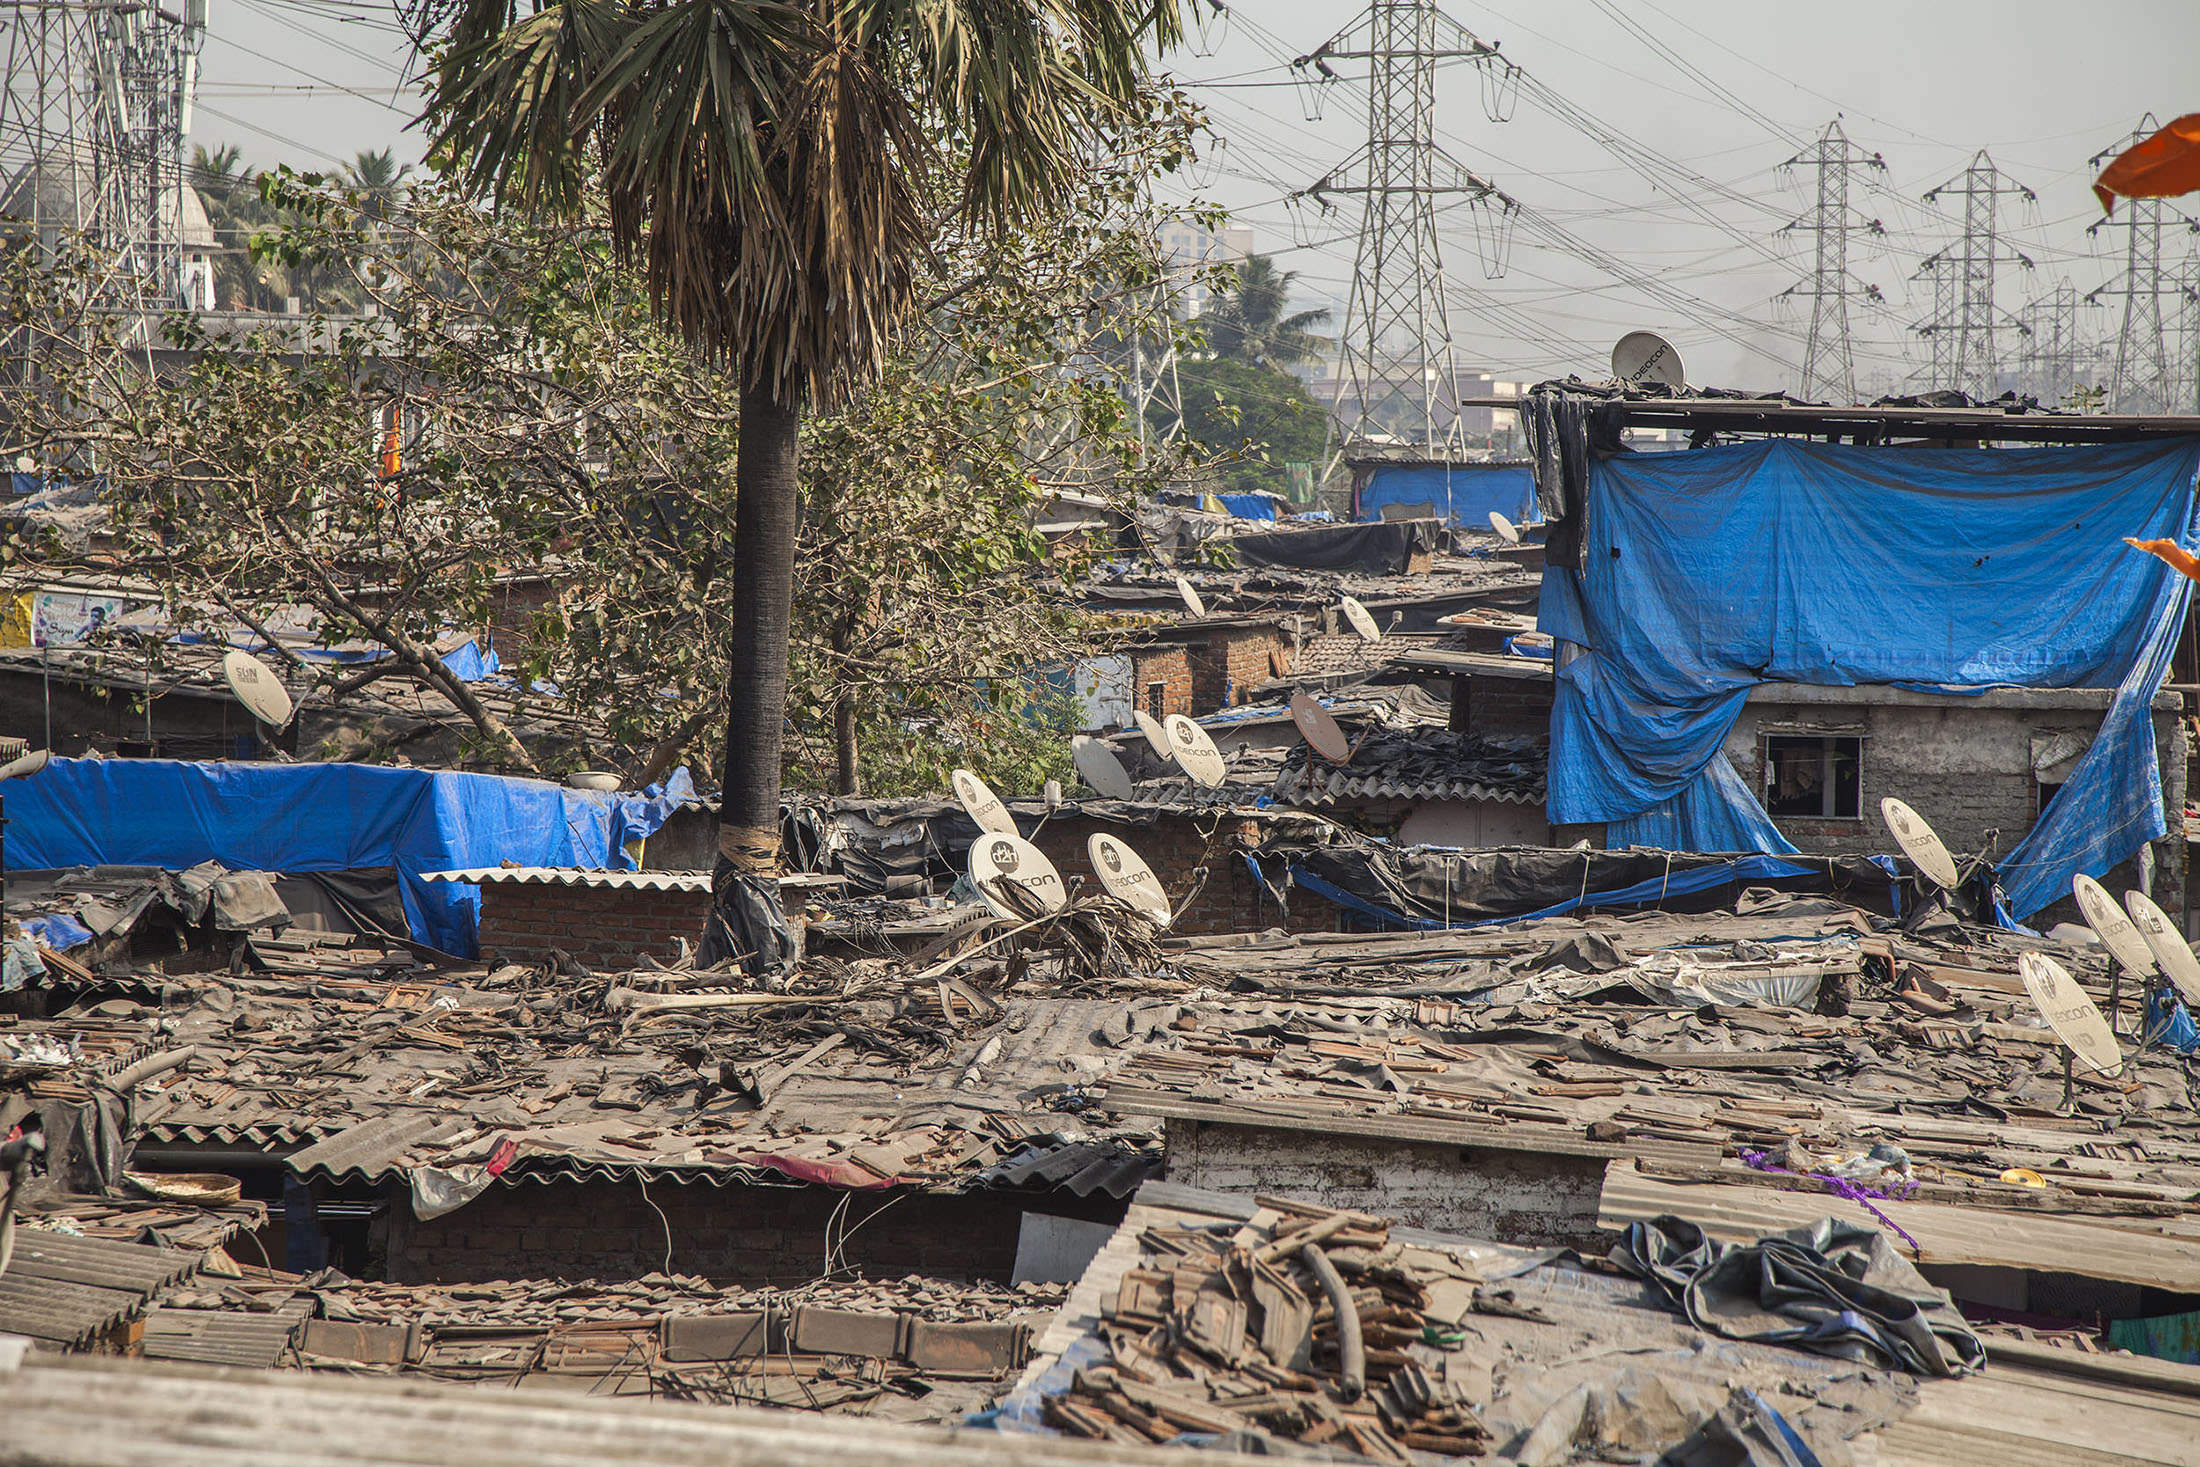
<point x="1306" y="1324"/>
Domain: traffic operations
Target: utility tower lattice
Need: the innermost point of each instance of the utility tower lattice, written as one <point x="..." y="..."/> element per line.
<point x="2051" y="351"/>
<point x="93" y="117"/>
<point x="1829" y="358"/>
<point x="2145" y="378"/>
<point x="1964" y="314"/>
<point x="2187" y="361"/>
<point x="1395" y="352"/>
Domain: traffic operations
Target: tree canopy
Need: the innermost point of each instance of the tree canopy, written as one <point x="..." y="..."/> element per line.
<point x="562" y="450"/>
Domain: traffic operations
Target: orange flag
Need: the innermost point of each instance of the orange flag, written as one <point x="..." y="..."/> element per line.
<point x="2169" y="550"/>
<point x="2159" y="167"/>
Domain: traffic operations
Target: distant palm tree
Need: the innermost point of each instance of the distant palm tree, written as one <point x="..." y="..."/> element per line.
<point x="378" y="177"/>
<point x="217" y="174"/>
<point x="234" y="209"/>
<point x="780" y="169"/>
<point x="1249" y="325"/>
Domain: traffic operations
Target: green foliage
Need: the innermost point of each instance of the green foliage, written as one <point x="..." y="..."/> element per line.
<point x="556" y="433"/>
<point x="1257" y="422"/>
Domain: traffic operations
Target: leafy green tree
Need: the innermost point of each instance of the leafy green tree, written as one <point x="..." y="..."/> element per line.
<point x="555" y="427"/>
<point x="778" y="171"/>
<point x="1253" y="421"/>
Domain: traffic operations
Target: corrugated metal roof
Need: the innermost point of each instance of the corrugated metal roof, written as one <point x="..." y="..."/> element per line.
<point x="224" y="1337"/>
<point x="373" y="1148"/>
<point x="1420" y="764"/>
<point x="2124" y="1249"/>
<point x="1081" y="1167"/>
<point x="84" y="1410"/>
<point x="63" y="1290"/>
<point x="1327" y="787"/>
<point x="697" y="881"/>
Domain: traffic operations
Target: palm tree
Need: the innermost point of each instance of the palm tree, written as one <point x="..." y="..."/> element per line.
<point x="232" y="207"/>
<point x="779" y="170"/>
<point x="1248" y="323"/>
<point x="377" y="176"/>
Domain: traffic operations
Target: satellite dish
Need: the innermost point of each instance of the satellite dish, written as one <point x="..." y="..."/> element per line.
<point x="2076" y="1022"/>
<point x="1195" y="752"/>
<point x="995" y="858"/>
<point x="1507" y="531"/>
<point x="1128" y="879"/>
<point x="1356" y="617"/>
<point x="2166" y="943"/>
<point x="257" y="687"/>
<point x="983" y="805"/>
<point x="1919" y="843"/>
<point x="1190" y="593"/>
<point x="2116" y="931"/>
<point x="26" y="764"/>
<point x="1157" y="737"/>
<point x="1319" y="729"/>
<point x="1097" y="765"/>
<point x="1644" y="358"/>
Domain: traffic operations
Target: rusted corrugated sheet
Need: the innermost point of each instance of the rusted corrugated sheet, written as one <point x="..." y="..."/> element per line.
<point x="64" y="1290"/>
<point x="372" y="1149"/>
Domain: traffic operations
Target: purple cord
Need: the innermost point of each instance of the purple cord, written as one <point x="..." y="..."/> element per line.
<point x="1855" y="1192"/>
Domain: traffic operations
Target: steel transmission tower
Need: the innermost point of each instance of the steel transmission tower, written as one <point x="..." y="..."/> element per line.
<point x="2051" y="351"/>
<point x="2186" y="363"/>
<point x="2145" y="378"/>
<point x="1829" y="358"/>
<point x="1395" y="351"/>
<point x="92" y="124"/>
<point x="1965" y="316"/>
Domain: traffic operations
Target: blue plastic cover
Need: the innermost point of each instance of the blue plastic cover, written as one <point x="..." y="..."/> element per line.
<point x="1249" y="506"/>
<point x="1462" y="494"/>
<point x="327" y="817"/>
<point x="1708" y="572"/>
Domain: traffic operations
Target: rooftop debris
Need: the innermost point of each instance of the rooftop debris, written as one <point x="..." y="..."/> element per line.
<point x="1276" y="1325"/>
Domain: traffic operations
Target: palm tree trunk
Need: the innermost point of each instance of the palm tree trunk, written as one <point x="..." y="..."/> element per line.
<point x="747" y="921"/>
<point x="850" y="780"/>
<point x="766" y="508"/>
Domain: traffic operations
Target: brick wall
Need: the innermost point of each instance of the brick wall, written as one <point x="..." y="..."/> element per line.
<point x="1204" y="676"/>
<point x="744" y="1234"/>
<point x="1231" y="900"/>
<point x="604" y="928"/>
<point x="1242" y="658"/>
<point x="1172" y="668"/>
<point x="1509" y="1197"/>
<point x="1963" y="764"/>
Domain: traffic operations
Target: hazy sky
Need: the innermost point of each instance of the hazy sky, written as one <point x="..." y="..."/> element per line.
<point x="1924" y="85"/>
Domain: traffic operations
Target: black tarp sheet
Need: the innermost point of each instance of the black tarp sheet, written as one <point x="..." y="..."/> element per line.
<point x="1378" y="549"/>
<point x="1425" y="886"/>
<point x="1833" y="1287"/>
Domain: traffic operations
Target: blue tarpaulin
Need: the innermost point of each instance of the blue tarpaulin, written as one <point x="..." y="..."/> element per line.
<point x="1249" y="506"/>
<point x="1709" y="572"/>
<point x="1461" y="494"/>
<point x="327" y="817"/>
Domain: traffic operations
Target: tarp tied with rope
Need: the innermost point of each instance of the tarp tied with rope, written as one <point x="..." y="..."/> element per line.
<point x="1706" y="573"/>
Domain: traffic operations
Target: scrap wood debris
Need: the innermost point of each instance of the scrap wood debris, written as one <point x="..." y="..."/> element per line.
<point x="1307" y="1325"/>
<point x="1285" y="1328"/>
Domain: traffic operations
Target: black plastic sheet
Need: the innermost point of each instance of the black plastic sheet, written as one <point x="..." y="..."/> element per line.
<point x="1835" y="1288"/>
<point x="1381" y="548"/>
